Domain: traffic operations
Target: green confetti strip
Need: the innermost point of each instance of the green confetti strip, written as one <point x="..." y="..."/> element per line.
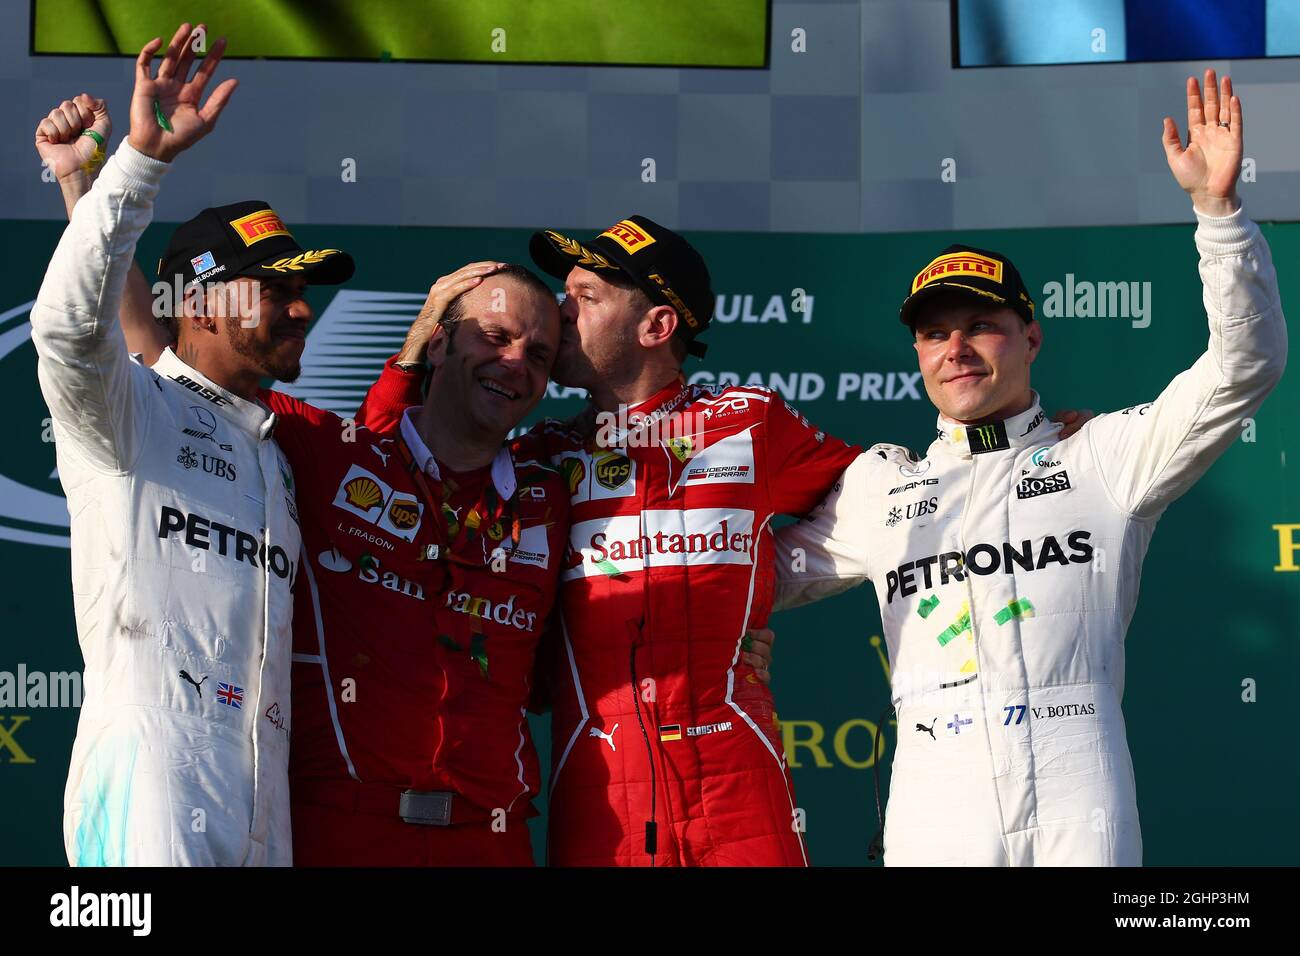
<point x="478" y="653"/>
<point x="956" y="627"/>
<point x="1016" y="609"/>
<point x="158" y="115"/>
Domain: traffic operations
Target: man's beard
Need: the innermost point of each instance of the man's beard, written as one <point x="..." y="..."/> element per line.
<point x="573" y="368"/>
<point x="245" y="342"/>
<point x="568" y="373"/>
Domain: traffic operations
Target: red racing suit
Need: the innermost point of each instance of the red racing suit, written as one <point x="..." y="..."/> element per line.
<point x="656" y="718"/>
<point x="411" y="673"/>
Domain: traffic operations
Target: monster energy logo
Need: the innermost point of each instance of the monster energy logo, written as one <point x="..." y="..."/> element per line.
<point x="986" y="438"/>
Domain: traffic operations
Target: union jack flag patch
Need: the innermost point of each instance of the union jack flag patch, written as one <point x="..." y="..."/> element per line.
<point x="230" y="695"/>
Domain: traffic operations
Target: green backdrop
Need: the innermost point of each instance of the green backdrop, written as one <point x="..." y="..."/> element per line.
<point x="720" y="33"/>
<point x="1220" y="599"/>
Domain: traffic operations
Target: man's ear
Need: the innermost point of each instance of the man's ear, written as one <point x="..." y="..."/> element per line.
<point x="1034" y="333"/>
<point x="197" y="310"/>
<point x="658" y="325"/>
<point x="435" y="353"/>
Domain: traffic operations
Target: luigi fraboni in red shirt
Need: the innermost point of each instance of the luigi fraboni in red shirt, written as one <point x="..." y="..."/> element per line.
<point x="430" y="562"/>
<point x="1005" y="629"/>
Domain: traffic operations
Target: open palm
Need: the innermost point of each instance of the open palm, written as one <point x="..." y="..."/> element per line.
<point x="166" y="115"/>
<point x="1209" y="165"/>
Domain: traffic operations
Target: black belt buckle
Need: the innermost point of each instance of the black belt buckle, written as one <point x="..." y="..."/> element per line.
<point x="430" y="808"/>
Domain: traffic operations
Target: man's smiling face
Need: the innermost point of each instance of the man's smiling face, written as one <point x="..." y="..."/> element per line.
<point x="975" y="360"/>
<point x="273" y="333"/>
<point x="493" y="367"/>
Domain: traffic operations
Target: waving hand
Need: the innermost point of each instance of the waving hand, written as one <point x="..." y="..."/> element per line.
<point x="167" y="112"/>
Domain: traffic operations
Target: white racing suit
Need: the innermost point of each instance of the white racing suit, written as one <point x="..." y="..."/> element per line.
<point x="1007" y="565"/>
<point x="184" y="546"/>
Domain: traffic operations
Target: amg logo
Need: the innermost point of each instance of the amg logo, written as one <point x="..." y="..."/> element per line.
<point x="913" y="484"/>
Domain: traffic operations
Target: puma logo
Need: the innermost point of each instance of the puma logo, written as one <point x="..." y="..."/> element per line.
<point x="929" y="730"/>
<point x="382" y="455"/>
<point x="198" y="684"/>
<point x="609" y="737"/>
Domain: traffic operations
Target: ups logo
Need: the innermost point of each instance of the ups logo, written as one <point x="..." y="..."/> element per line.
<point x="613" y="471"/>
<point x="404" y="513"/>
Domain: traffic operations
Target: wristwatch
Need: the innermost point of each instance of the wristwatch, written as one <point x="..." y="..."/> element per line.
<point x="409" y="366"/>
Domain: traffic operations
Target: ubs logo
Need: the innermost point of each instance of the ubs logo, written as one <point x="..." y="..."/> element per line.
<point x="926" y="506"/>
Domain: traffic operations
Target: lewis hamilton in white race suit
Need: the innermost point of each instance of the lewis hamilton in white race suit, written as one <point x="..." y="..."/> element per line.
<point x="1007" y="562"/>
<point x="185" y="540"/>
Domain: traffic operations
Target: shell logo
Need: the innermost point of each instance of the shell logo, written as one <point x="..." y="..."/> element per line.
<point x="363" y="493"/>
<point x="574" y="472"/>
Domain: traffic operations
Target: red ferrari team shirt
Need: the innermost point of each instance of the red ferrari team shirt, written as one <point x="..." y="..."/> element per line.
<point x="419" y="608"/>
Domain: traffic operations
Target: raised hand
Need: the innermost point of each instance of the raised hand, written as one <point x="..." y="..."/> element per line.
<point x="1208" y="167"/>
<point x="166" y="116"/>
<point x="60" y="141"/>
<point x="435" y="305"/>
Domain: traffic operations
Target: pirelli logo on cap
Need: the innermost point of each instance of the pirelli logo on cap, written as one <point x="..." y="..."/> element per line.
<point x="259" y="225"/>
<point x="956" y="264"/>
<point x="629" y="235"/>
<point x="676" y="300"/>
